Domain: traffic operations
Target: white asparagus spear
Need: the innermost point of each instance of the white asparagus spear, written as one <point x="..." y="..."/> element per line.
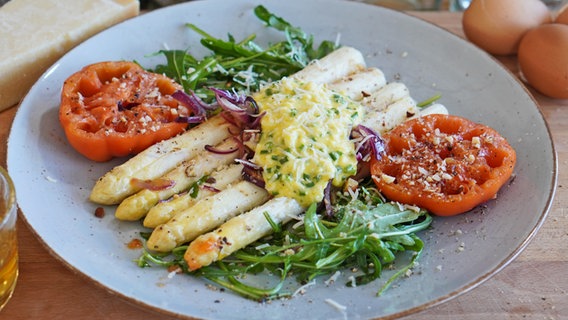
<point x="219" y="180"/>
<point x="360" y="84"/>
<point x="380" y="99"/>
<point x="184" y="175"/>
<point x="394" y="114"/>
<point x="240" y="231"/>
<point x="334" y="66"/>
<point x="192" y="222"/>
<point x="158" y="159"/>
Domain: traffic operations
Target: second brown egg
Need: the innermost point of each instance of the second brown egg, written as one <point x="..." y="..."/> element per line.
<point x="497" y="26"/>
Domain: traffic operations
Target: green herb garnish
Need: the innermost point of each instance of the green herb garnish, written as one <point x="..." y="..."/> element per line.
<point x="242" y="65"/>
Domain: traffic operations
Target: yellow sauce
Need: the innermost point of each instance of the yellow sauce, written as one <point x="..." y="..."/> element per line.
<point x="305" y="139"/>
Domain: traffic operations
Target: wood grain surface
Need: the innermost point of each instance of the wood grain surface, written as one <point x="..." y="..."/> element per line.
<point x="533" y="286"/>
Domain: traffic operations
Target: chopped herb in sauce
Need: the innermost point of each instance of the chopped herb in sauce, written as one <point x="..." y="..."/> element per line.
<point x="305" y="139"/>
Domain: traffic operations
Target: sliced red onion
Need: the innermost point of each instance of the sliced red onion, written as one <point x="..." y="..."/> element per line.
<point x="239" y="109"/>
<point x="213" y="149"/>
<point x="210" y="188"/>
<point x="368" y="143"/>
<point x="327" y="200"/>
<point x="255" y="124"/>
<point x="243" y="109"/>
<point x="248" y="163"/>
<point x="231" y="107"/>
<point x="193" y="102"/>
<point x="252" y="172"/>
<point x="230" y="95"/>
<point x="191" y="119"/>
<point x="253" y="175"/>
<point x="251" y="105"/>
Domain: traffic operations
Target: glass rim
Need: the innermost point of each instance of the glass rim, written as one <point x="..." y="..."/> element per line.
<point x="11" y="194"/>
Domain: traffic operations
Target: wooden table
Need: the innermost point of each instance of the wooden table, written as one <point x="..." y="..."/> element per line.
<point x="534" y="286"/>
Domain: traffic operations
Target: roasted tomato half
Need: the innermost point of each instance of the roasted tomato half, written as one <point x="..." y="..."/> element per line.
<point x="113" y="109"/>
<point x="443" y="163"/>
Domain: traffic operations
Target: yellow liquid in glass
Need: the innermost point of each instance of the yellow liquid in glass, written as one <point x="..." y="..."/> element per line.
<point x="8" y="265"/>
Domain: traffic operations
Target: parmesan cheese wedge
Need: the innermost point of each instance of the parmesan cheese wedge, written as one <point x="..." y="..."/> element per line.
<point x="34" y="34"/>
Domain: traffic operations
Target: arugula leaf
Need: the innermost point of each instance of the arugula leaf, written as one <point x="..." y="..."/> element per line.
<point x="299" y="45"/>
<point x="245" y="65"/>
<point x="362" y="235"/>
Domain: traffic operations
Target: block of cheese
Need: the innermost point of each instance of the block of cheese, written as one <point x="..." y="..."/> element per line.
<point x="34" y="34"/>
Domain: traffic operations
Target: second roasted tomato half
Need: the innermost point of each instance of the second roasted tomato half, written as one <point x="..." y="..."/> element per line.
<point x="443" y="163"/>
<point x="116" y="108"/>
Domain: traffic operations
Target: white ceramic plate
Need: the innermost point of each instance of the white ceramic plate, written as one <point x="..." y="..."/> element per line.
<point x="53" y="182"/>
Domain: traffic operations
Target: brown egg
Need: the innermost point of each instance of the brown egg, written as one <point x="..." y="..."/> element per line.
<point x="497" y="26"/>
<point x="543" y="59"/>
<point x="562" y="15"/>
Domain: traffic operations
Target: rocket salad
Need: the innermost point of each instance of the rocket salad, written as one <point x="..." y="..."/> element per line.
<point x="243" y="65"/>
<point x="364" y="234"/>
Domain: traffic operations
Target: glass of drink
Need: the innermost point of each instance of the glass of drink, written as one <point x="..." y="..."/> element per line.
<point x="8" y="239"/>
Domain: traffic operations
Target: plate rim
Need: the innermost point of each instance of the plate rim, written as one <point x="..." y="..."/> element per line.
<point x="421" y="307"/>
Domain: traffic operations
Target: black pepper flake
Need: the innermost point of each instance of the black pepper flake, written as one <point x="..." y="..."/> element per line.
<point x="224" y="240"/>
